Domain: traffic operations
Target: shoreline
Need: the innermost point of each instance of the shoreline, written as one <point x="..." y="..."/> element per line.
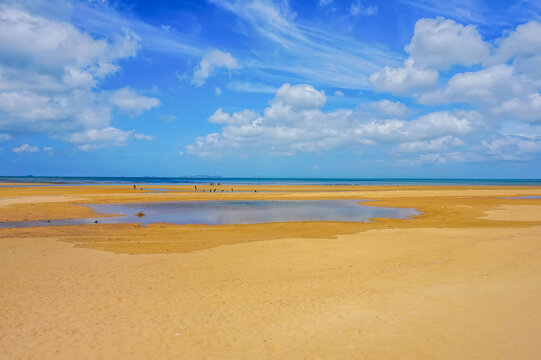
<point x="262" y="181"/>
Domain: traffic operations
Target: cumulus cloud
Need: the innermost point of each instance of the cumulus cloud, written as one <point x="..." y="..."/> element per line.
<point x="499" y="91"/>
<point x="238" y="118"/>
<point x="404" y="80"/>
<point x="441" y="43"/>
<point x="129" y="100"/>
<point x="436" y="44"/>
<point x="492" y="85"/>
<point x="299" y="96"/>
<point x="109" y="136"/>
<point x="294" y="122"/>
<point x="513" y="147"/>
<point x="527" y="108"/>
<point x="25" y="148"/>
<point x="43" y="54"/>
<point x="386" y="108"/>
<point x="505" y="83"/>
<point x="434" y="145"/>
<point x="523" y="42"/>
<point x="522" y="48"/>
<point x="212" y="60"/>
<point x="429" y="126"/>
<point x="50" y="73"/>
<point x="444" y="157"/>
<point x="28" y="111"/>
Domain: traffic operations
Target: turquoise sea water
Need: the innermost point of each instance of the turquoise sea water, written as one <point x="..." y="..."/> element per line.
<point x="265" y="181"/>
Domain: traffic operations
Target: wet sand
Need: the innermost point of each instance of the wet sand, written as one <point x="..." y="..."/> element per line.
<point x="461" y="280"/>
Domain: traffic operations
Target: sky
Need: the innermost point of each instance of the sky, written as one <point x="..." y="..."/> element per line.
<point x="283" y="88"/>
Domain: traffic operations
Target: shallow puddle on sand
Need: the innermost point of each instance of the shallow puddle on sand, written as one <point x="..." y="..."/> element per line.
<point x="524" y="197"/>
<point x="233" y="212"/>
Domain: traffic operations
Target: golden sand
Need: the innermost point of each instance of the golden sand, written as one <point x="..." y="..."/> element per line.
<point x="460" y="281"/>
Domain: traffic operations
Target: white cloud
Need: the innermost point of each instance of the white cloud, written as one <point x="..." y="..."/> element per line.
<point x="442" y="158"/>
<point x="238" y="118"/>
<point x="357" y="8"/>
<point x="522" y="48"/>
<point x="50" y="73"/>
<point x="25" y="148"/>
<point x="218" y="91"/>
<point x="53" y="54"/>
<point x="436" y="44"/>
<point x="129" y="100"/>
<point x="441" y="123"/>
<point x="212" y="60"/>
<point x="27" y="111"/>
<point x="300" y="96"/>
<point x="404" y="80"/>
<point x="294" y="122"/>
<point x="4" y="137"/>
<point x="434" y="145"/>
<point x="105" y="135"/>
<point x="386" y="108"/>
<point x="529" y="66"/>
<point x="521" y="129"/>
<point x="430" y="126"/>
<point x="92" y="139"/>
<point x="430" y="159"/>
<point x="505" y="88"/>
<point x="526" y="108"/>
<point x="499" y="90"/>
<point x="493" y="85"/>
<point x="324" y="2"/>
<point x="441" y="43"/>
<point x="339" y="93"/>
<point x="513" y="148"/>
<point x="522" y="42"/>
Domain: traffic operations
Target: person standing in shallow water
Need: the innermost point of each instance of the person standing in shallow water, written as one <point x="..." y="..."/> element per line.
<point x="195" y="187"/>
<point x="134" y="188"/>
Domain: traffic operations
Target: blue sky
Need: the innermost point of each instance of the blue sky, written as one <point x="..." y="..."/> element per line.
<point x="319" y="88"/>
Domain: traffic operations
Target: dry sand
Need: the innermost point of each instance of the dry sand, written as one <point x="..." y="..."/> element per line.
<point x="516" y="213"/>
<point x="461" y="281"/>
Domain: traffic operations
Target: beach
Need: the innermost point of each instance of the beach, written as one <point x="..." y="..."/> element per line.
<point x="460" y="280"/>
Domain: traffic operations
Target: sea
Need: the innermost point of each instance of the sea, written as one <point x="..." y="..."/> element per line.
<point x="195" y="180"/>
